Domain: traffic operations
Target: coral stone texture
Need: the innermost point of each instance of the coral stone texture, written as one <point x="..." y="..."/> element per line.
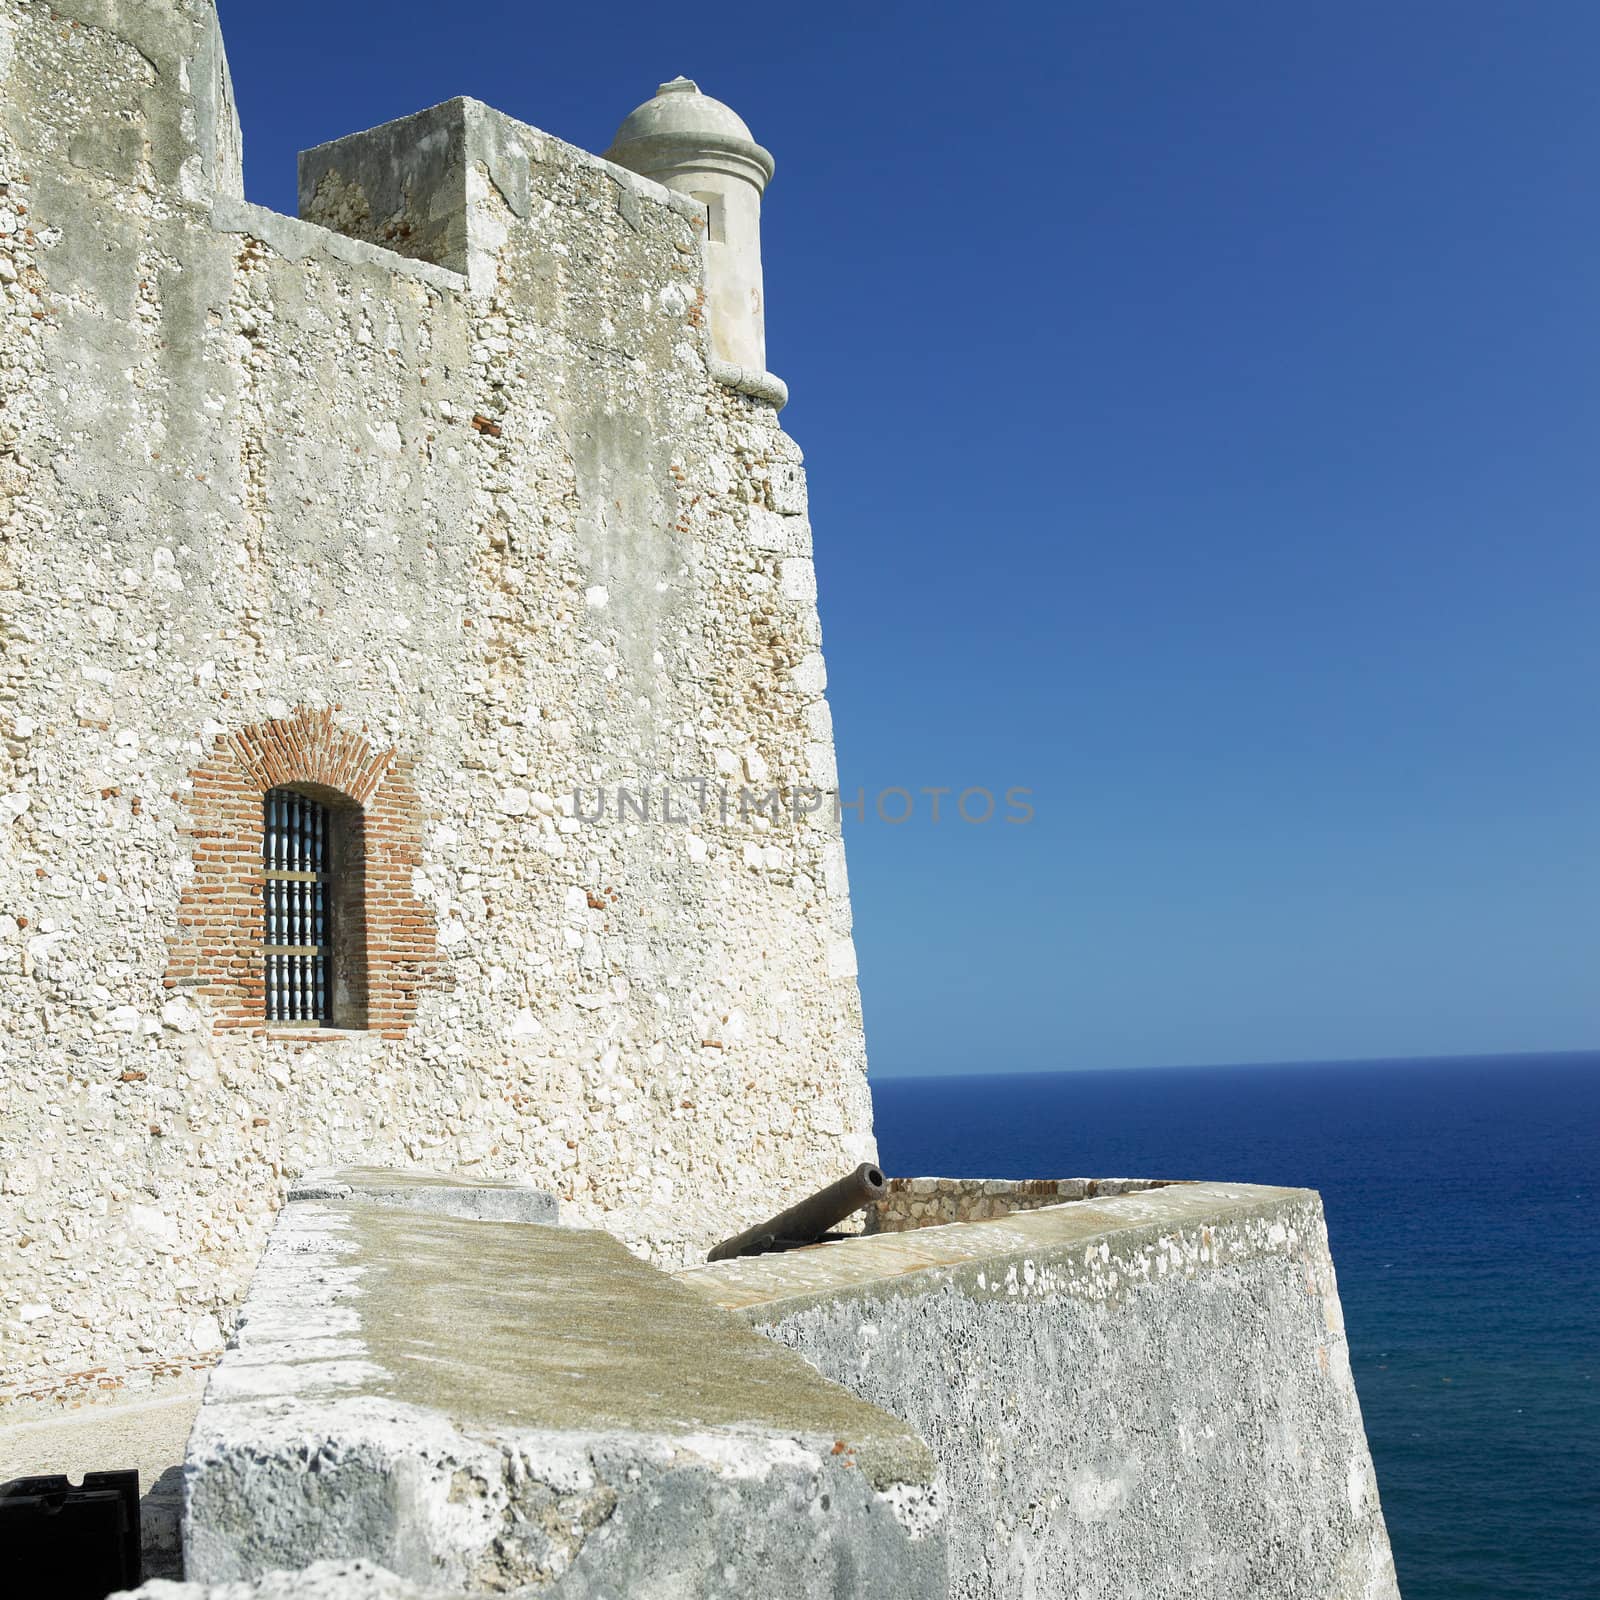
<point x="1137" y="1396"/>
<point x="441" y="507"/>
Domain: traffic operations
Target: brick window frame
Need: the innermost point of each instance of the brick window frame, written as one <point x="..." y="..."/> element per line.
<point x="389" y="953"/>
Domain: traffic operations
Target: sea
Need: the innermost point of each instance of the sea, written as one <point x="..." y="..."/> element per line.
<point x="1463" y="1205"/>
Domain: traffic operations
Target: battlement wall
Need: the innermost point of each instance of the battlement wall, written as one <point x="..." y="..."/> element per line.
<point x="496" y="1406"/>
<point x="1135" y="1395"/>
<point x="280" y="504"/>
<point x="932" y="1202"/>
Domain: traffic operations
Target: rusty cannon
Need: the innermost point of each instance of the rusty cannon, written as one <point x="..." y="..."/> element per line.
<point x="808" y="1221"/>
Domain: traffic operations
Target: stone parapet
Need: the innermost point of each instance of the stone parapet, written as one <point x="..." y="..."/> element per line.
<point x="481" y="1406"/>
<point x="1147" y="1394"/>
<point x="929" y="1202"/>
<point x="437" y="1194"/>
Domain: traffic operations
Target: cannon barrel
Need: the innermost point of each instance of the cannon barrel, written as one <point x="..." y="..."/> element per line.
<point x="806" y="1222"/>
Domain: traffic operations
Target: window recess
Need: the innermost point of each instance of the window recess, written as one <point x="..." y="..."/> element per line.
<point x="298" y="903"/>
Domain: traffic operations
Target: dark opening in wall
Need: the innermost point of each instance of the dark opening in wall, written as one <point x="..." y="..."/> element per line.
<point x="376" y="942"/>
<point x="314" y="915"/>
<point x="716" y="227"/>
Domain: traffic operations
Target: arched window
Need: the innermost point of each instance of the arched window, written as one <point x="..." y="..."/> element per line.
<point x="295" y="819"/>
<point x="297" y="860"/>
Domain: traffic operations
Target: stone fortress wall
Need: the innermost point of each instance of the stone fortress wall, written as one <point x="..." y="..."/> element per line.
<point x="459" y="497"/>
<point x="1133" y="1393"/>
<point x="447" y="513"/>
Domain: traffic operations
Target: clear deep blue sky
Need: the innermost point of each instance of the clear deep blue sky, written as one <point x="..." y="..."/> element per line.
<point x="1201" y="405"/>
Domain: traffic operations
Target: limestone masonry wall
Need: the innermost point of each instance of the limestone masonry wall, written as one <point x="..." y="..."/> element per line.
<point x="495" y="531"/>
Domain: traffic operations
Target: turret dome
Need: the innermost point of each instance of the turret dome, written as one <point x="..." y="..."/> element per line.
<point x="679" y="121"/>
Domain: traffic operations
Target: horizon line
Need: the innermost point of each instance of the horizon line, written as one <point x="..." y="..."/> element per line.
<point x="1209" y="1066"/>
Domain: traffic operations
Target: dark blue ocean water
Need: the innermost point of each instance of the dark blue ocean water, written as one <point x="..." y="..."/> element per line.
<point x="1463" y="1203"/>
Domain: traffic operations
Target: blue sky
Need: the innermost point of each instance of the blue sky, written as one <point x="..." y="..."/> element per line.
<point x="1201" y="409"/>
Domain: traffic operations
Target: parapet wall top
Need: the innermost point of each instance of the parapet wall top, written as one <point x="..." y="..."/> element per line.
<point x="698" y="146"/>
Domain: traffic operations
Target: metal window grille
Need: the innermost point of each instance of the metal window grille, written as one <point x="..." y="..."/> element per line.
<point x="299" y="910"/>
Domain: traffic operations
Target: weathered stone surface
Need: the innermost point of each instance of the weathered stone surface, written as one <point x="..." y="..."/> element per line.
<point x="508" y="526"/>
<point x="436" y="1193"/>
<point x="927" y="1202"/>
<point x="1132" y="1397"/>
<point x="324" y="1580"/>
<point x="488" y="1405"/>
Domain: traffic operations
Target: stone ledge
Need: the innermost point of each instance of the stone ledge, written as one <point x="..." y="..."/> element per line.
<point x="926" y="1202"/>
<point x="1140" y="1395"/>
<point x="487" y="1405"/>
<point x="432" y="1193"/>
<point x="295" y="240"/>
<point x="979" y="1253"/>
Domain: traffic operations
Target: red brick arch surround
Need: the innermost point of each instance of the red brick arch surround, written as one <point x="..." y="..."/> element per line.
<point x="216" y="948"/>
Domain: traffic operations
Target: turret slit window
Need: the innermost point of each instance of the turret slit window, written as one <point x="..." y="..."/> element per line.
<point x="298" y="890"/>
<point x="716" y="230"/>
